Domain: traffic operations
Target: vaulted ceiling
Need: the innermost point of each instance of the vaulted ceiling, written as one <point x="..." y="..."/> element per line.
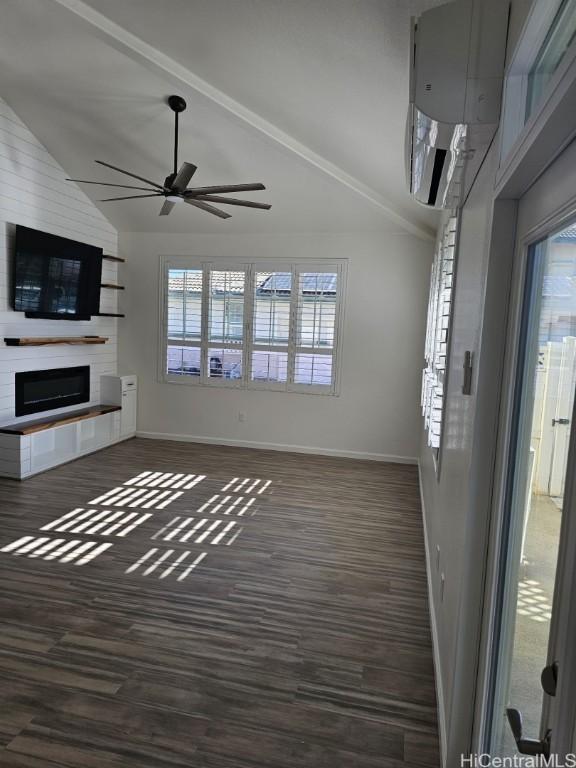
<point x="307" y="96"/>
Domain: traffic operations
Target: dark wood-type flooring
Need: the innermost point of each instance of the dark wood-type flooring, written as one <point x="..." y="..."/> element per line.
<point x="300" y="641"/>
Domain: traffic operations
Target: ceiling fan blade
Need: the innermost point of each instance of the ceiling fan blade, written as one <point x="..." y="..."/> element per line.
<point x="187" y="170"/>
<point x="233" y="201"/>
<point x="206" y="207"/>
<point x="106" y="184"/>
<point x="127" y="173"/>
<point x="132" y="197"/>
<point x="166" y="208"/>
<point x="224" y="188"/>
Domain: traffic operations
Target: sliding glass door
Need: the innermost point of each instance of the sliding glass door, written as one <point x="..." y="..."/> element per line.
<point x="526" y="653"/>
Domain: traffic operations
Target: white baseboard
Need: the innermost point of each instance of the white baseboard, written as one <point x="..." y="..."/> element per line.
<point x="279" y="447"/>
<point x="442" y="725"/>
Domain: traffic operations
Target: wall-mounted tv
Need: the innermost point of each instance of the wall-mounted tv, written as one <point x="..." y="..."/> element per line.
<point x="55" y="278"/>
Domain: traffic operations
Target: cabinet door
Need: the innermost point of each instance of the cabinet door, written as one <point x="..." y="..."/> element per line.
<point x="95" y="433"/>
<point x="53" y="446"/>
<point x="128" y="417"/>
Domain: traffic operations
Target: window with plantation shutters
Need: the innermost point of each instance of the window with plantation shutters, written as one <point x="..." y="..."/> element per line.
<point x="225" y="354"/>
<point x="265" y="325"/>
<point x="316" y="324"/>
<point x="272" y="319"/>
<point x="437" y="331"/>
<point x="184" y="321"/>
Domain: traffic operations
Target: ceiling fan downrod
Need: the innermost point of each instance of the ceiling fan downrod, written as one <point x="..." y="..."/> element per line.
<point x="177" y="105"/>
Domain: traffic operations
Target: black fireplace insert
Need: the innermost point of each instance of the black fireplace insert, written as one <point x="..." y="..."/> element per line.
<point x="54" y="388"/>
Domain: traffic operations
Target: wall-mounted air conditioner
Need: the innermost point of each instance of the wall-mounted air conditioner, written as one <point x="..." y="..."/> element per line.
<point x="457" y="68"/>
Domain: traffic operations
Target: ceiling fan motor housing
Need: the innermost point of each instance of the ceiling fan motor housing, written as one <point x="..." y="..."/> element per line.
<point x="169" y="180"/>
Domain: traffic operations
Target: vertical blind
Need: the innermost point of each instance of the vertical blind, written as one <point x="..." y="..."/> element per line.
<point x="253" y="326"/>
<point x="437" y="331"/>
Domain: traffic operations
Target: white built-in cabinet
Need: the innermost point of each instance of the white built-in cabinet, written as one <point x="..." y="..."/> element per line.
<point x="122" y="391"/>
<point x="23" y="455"/>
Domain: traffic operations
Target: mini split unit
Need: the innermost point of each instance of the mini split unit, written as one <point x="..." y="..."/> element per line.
<point x="457" y="68"/>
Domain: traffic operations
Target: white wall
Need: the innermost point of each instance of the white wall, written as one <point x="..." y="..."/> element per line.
<point x="33" y="192"/>
<point x="446" y="497"/>
<point x="457" y="501"/>
<point x="377" y="412"/>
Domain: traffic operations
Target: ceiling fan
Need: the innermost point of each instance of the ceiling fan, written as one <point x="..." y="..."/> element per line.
<point x="175" y="188"/>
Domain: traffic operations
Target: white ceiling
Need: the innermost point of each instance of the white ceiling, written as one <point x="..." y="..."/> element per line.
<point x="307" y="96"/>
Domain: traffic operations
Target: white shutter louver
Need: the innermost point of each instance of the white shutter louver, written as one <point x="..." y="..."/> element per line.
<point x="226" y="324"/>
<point x="437" y="331"/>
<point x="316" y="323"/>
<point x="184" y="322"/>
<point x="271" y="326"/>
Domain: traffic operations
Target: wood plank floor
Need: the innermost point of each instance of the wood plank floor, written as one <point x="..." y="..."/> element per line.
<point x="299" y="640"/>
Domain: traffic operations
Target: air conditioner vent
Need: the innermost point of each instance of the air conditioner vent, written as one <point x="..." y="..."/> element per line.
<point x="437" y="170"/>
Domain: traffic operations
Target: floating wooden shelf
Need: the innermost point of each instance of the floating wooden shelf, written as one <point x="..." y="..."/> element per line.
<point x="41" y="341"/>
<point x="114" y="258"/>
<point x="29" y="427"/>
<point x="112" y="285"/>
<point x="109" y="314"/>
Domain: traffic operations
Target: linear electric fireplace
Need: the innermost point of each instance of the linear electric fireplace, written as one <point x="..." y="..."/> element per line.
<point x="54" y="388"/>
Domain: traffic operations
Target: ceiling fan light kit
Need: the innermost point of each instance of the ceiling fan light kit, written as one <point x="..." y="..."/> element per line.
<point x="175" y="188"/>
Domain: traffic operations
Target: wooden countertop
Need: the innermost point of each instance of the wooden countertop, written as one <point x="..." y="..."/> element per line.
<point x="38" y="425"/>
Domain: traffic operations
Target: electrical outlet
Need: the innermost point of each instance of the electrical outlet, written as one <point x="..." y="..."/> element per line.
<point x="242" y="416"/>
<point x="437" y="557"/>
<point x="442" y="585"/>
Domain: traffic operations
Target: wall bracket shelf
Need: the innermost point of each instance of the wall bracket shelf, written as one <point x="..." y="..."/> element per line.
<point x="41" y="341"/>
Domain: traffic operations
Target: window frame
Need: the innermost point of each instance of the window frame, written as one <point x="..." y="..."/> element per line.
<point x="248" y="346"/>
<point x="518" y="130"/>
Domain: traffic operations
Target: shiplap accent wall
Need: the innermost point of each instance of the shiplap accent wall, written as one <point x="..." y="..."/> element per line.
<point x="33" y="192"/>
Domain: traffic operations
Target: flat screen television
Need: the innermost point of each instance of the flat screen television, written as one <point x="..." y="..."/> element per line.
<point x="54" y="277"/>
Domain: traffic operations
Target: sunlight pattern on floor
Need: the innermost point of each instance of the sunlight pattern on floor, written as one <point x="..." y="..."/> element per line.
<point x="533" y="602"/>
<point x="247" y="485"/>
<point x="181" y="529"/>
<point x="75" y="552"/>
<point x="104" y="522"/>
<point x="165" y="480"/>
<point x="228" y="505"/>
<point x="148" y="491"/>
<point x="151" y="564"/>
<point x="142" y="497"/>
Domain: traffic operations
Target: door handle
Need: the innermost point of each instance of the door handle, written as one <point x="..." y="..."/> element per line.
<point x="527" y="746"/>
<point x="549" y="678"/>
<point x="467" y="366"/>
<point x="560" y="421"/>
